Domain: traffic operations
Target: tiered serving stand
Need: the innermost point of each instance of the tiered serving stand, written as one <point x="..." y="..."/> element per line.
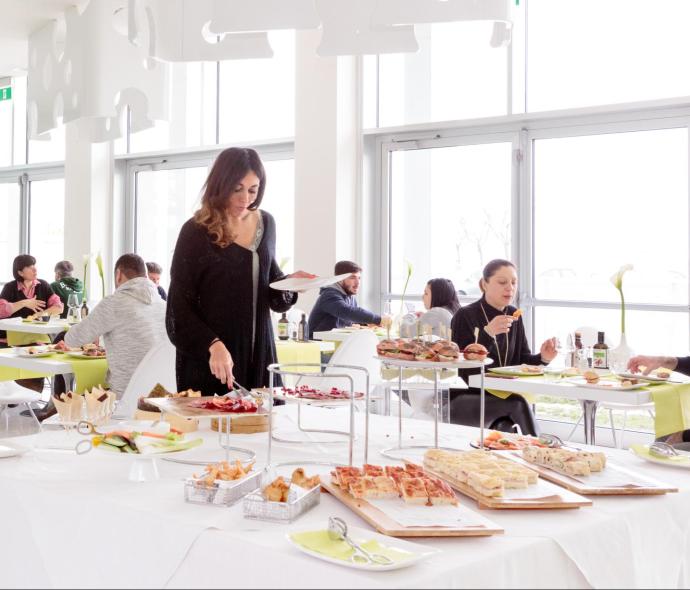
<point x="437" y="368"/>
<point x="295" y="370"/>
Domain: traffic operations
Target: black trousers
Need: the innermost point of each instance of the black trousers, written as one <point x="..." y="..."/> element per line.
<point x="499" y="414"/>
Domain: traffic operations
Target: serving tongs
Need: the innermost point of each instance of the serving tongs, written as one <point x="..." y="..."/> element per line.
<point x="244" y="392"/>
<point x="337" y="531"/>
<point x="662" y="450"/>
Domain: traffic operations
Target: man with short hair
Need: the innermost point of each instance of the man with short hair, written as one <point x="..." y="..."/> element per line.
<point x="337" y="306"/>
<point x="131" y="321"/>
<point x="65" y="284"/>
<point x="155" y="271"/>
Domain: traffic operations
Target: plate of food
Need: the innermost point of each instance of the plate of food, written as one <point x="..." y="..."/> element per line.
<point x="320" y="544"/>
<point x="519" y="370"/>
<point x="33" y="351"/>
<point x="147" y="440"/>
<point x="88" y="351"/>
<point x="656" y="376"/>
<point x="305" y="284"/>
<point x="410" y="349"/>
<point x="311" y="394"/>
<point x="505" y="441"/>
<point x="592" y="380"/>
<point x="681" y="460"/>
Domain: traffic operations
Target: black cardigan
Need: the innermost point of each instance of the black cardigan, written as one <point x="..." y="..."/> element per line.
<point x="467" y="318"/>
<point x="210" y="297"/>
<point x="12" y="294"/>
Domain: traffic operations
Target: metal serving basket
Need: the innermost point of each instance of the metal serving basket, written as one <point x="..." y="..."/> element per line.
<point x="299" y="502"/>
<point x="221" y="493"/>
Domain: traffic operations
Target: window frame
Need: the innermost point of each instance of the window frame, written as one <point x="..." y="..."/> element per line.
<point x="523" y="131"/>
<point x="177" y="160"/>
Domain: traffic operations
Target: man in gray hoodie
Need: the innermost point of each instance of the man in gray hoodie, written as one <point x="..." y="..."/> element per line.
<point x="131" y="321"/>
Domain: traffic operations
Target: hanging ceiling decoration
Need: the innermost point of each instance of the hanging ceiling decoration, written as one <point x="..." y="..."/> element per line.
<point x="116" y="52"/>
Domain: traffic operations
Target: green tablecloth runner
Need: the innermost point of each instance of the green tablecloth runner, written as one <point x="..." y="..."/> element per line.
<point x="87" y="373"/>
<point x="671" y="408"/>
<point x="23" y="338"/>
<point x="530" y="398"/>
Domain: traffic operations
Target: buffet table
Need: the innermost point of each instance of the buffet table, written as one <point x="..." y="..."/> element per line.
<point x="76" y="521"/>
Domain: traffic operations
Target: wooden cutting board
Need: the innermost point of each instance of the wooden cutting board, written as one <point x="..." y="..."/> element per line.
<point x="559" y="499"/>
<point x="184" y="406"/>
<point x="653" y="489"/>
<point x="387" y="526"/>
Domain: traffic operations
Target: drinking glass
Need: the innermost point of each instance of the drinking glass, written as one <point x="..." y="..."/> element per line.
<point x="387" y="317"/>
<point x="73" y="313"/>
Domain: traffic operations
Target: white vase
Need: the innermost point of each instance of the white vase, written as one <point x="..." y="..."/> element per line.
<point x="620" y="355"/>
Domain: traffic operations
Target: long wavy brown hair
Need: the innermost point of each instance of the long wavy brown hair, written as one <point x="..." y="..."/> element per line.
<point x="230" y="167"/>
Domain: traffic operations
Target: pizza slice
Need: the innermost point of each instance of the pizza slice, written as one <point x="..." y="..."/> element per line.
<point x="372" y="470"/>
<point x="439" y="492"/>
<point x="414" y="491"/>
<point x="363" y="488"/>
<point x="386" y="488"/>
<point x="414" y="470"/>
<point x="344" y="475"/>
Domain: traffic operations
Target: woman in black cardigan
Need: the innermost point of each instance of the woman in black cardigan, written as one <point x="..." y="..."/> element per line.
<point x="219" y="302"/>
<point x="504" y="337"/>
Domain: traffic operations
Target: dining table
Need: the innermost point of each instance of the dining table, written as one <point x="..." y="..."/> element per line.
<point x="77" y="521"/>
<point x="20" y="331"/>
<point x="81" y="373"/>
<point x="589" y="397"/>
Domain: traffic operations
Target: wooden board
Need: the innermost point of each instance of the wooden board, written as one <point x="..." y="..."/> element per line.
<point x="387" y="526"/>
<point x="184" y="406"/>
<point x="561" y="498"/>
<point x="579" y="487"/>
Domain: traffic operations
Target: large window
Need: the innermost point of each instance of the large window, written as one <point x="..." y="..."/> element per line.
<point x="9" y="228"/>
<point x="166" y="198"/>
<point x="623" y="198"/>
<point x="456" y="74"/>
<point x="191" y="96"/>
<point x="450" y="213"/>
<point x="592" y="52"/>
<point x="257" y="96"/>
<point x="47" y="224"/>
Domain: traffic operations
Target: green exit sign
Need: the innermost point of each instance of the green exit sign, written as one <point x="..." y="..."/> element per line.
<point x="6" y="93"/>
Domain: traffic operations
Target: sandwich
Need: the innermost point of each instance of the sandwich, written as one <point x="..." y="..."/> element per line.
<point x="591" y="377"/>
<point x="475" y="352"/>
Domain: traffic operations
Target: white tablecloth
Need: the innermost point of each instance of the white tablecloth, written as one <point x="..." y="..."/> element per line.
<point x="78" y="522"/>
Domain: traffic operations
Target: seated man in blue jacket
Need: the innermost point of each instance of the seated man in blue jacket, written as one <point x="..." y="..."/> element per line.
<point x="336" y="306"/>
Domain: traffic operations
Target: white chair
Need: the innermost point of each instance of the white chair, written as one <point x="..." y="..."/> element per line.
<point x="621" y="407"/>
<point x="359" y="350"/>
<point x="12" y="423"/>
<point x="157" y="366"/>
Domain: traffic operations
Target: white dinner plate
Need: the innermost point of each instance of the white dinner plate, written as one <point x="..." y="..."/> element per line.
<point x="605" y="384"/>
<point x="8" y="449"/>
<point x="650" y="378"/>
<point x="296" y="284"/>
<point x="81" y="355"/>
<point x="417" y="552"/>
<point x="641" y="451"/>
<point x="515" y="370"/>
<point x="24" y="353"/>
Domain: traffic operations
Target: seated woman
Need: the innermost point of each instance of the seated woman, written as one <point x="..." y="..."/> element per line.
<point x="504" y="337"/>
<point x="441" y="302"/>
<point x="24" y="296"/>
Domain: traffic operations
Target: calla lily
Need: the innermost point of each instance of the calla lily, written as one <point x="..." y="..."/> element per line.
<point x="617" y="281"/>
<point x="99" y="264"/>
<point x="86" y="258"/>
<point x="407" y="281"/>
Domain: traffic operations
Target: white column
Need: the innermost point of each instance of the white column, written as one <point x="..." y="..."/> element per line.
<point x="327" y="160"/>
<point x="88" y="206"/>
